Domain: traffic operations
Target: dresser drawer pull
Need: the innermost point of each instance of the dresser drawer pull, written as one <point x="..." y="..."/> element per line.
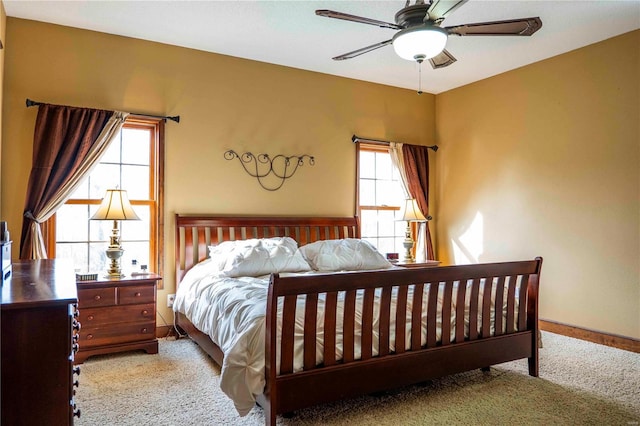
<point x="97" y="297"/>
<point x="90" y="317"/>
<point x="138" y="294"/>
<point x="89" y="336"/>
<point x="144" y="330"/>
<point x="145" y="312"/>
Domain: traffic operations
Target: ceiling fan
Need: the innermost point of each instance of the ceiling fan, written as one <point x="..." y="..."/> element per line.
<point x="421" y="36"/>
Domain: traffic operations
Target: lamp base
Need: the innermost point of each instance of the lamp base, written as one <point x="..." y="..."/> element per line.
<point x="408" y="257"/>
<point x="114" y="254"/>
<point x="408" y="245"/>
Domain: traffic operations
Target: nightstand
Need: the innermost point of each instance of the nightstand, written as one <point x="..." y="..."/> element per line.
<point x="117" y="315"/>
<point x="424" y="264"/>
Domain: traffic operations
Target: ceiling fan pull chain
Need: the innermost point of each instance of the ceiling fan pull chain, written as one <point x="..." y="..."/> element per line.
<point x="419" y="77"/>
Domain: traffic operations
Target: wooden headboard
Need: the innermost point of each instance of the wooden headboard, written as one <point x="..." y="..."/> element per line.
<point x="195" y="233"/>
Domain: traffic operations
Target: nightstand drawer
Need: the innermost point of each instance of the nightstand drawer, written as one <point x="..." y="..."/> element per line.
<point x="90" y="297"/>
<point x="94" y="317"/>
<point x="136" y="294"/>
<point x="114" y="334"/>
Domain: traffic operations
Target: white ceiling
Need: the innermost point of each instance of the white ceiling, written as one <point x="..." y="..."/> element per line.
<point x="289" y="33"/>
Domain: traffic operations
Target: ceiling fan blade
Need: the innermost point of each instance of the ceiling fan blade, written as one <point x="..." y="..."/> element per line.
<point x="361" y="51"/>
<point x="443" y="59"/>
<point x="439" y="9"/>
<point x="354" y="18"/>
<point x="521" y="27"/>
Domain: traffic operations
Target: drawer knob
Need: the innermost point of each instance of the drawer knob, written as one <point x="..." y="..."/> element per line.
<point x="145" y="312"/>
<point x="97" y="297"/>
<point x="89" y="336"/>
<point x="138" y="294"/>
<point x="90" y="317"/>
<point x="144" y="330"/>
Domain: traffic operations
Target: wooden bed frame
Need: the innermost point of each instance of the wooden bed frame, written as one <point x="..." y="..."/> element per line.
<point x="342" y="378"/>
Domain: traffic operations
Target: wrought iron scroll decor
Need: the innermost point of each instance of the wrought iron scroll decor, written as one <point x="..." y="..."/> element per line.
<point x="266" y="169"/>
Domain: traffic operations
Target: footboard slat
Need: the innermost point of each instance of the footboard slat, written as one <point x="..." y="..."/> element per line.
<point x="461" y="292"/>
<point x="473" y="309"/>
<point x="288" y="328"/>
<point x="511" y="304"/>
<point x="486" y="307"/>
<point x="416" y="317"/>
<point x="499" y="309"/>
<point x="446" y="313"/>
<point x="385" y="314"/>
<point x="401" y="314"/>
<point x="349" y="326"/>
<point x="330" y="328"/>
<point x="310" y="321"/>
<point x="432" y="308"/>
<point x="367" y="324"/>
<point x="522" y="303"/>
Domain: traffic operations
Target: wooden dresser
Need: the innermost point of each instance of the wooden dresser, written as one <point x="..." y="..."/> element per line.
<point x="38" y="318"/>
<point x="117" y="315"/>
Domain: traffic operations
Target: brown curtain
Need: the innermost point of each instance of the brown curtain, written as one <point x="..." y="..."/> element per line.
<point x="416" y="164"/>
<point x="63" y="140"/>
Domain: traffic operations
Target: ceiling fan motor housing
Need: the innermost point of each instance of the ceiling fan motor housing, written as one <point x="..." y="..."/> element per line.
<point x="412" y="15"/>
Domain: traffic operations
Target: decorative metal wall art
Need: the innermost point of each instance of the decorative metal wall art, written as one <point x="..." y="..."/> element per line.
<point x="266" y="169"/>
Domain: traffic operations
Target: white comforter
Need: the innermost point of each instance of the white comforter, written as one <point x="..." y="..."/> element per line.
<point x="232" y="312"/>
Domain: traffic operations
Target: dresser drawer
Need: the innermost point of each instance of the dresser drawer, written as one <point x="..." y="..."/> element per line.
<point x="101" y="296"/>
<point x="114" y="334"/>
<point x="95" y="317"/>
<point x="136" y="294"/>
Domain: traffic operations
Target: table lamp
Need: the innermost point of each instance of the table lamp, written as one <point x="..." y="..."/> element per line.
<point x="410" y="214"/>
<point x="115" y="206"/>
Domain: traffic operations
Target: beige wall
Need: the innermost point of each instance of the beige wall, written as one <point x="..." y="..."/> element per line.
<point x="3" y="38"/>
<point x="545" y="160"/>
<point x="224" y="103"/>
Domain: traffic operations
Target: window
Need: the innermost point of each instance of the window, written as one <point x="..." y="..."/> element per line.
<point x="133" y="162"/>
<point x="380" y="196"/>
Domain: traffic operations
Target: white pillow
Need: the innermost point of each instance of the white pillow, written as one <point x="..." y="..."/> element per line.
<point x="219" y="254"/>
<point x="348" y="254"/>
<point x="255" y="257"/>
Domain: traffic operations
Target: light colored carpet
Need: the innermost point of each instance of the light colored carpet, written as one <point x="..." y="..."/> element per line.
<point x="580" y="383"/>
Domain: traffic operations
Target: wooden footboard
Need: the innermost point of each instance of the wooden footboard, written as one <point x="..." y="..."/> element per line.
<point x="426" y="357"/>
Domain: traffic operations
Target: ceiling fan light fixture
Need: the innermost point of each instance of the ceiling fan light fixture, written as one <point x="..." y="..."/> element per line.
<point x="420" y="43"/>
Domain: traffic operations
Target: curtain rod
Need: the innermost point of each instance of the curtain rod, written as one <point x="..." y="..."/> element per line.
<point x="175" y="118"/>
<point x="355" y="139"/>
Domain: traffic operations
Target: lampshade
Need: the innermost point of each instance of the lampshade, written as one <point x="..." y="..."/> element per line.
<point x="412" y="212"/>
<point x="115" y="206"/>
<point x="419" y="43"/>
